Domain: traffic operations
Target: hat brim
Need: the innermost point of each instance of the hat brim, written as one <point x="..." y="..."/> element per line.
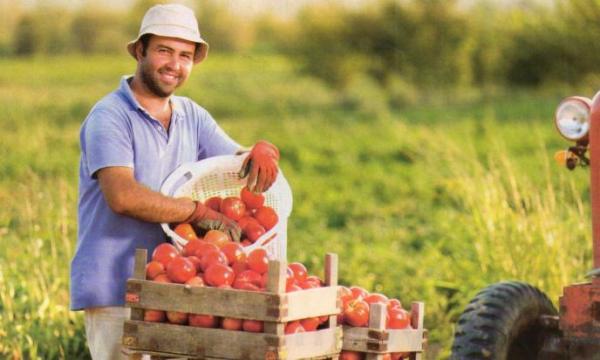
<point x="174" y="32"/>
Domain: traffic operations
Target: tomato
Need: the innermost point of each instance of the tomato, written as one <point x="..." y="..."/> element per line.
<point x="219" y="274"/>
<point x="299" y="270"/>
<point x="249" y="276"/>
<point x="231" y="324"/>
<point x="351" y="355"/>
<point x="267" y="217"/>
<point x="205" y="321"/>
<point x="164" y="253"/>
<point x="393" y="303"/>
<point x="217" y="237"/>
<point x="311" y="282"/>
<point x="293" y="327"/>
<point x="204" y="248"/>
<point x="214" y="203"/>
<point x="292" y="288"/>
<point x="253" y="231"/>
<point x="192" y="246"/>
<point x="252" y="326"/>
<point x="374" y="298"/>
<point x="162" y="278"/>
<point x="153" y="269"/>
<point x="245" y="220"/>
<point x="252" y="200"/>
<point x="310" y="324"/>
<point x="212" y="257"/>
<point x="358" y="292"/>
<point x="246" y="242"/>
<point x="155" y="316"/>
<point x="181" y="270"/>
<point x="357" y="313"/>
<point x="387" y="356"/>
<point x="196" y="261"/>
<point x="176" y="317"/>
<point x="186" y="231"/>
<point x="234" y="252"/>
<point x="195" y="281"/>
<point x="399" y="355"/>
<point x="258" y="261"/>
<point x="243" y="285"/>
<point x="289" y="277"/>
<point x="233" y="207"/>
<point x="398" y="318"/>
<point x="239" y="266"/>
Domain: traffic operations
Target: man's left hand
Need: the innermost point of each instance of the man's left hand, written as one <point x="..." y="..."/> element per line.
<point x="261" y="166"/>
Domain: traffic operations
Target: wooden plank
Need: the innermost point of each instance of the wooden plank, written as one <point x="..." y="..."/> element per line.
<point x="139" y="272"/>
<point x="311" y="344"/>
<point x="197" y="342"/>
<point x="364" y="340"/>
<point x="205" y="300"/>
<point x="312" y="302"/>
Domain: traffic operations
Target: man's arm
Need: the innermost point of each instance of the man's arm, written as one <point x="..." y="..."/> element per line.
<point x="126" y="196"/>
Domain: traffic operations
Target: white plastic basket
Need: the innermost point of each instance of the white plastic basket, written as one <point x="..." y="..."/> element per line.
<point x="218" y="176"/>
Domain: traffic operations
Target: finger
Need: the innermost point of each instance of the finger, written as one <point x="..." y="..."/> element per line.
<point x="253" y="177"/>
<point x="262" y="179"/>
<point x="268" y="179"/>
<point x="246" y="165"/>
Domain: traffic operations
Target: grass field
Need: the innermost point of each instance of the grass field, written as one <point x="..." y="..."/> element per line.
<point x="430" y="202"/>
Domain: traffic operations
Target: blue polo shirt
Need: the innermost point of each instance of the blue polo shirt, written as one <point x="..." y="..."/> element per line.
<point x="119" y="132"/>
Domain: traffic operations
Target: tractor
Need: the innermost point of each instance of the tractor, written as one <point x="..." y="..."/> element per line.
<point x="516" y="321"/>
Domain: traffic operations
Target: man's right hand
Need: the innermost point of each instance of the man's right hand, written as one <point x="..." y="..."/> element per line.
<point x="206" y="219"/>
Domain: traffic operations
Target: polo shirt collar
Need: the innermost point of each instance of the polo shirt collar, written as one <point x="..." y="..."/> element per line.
<point x="125" y="91"/>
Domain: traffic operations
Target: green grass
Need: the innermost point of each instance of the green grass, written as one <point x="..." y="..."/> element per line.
<point x="430" y="202"/>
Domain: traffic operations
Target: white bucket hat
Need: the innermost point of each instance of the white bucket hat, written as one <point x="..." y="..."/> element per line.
<point x="172" y="20"/>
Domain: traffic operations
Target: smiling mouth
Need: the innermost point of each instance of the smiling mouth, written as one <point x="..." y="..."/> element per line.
<point x="169" y="78"/>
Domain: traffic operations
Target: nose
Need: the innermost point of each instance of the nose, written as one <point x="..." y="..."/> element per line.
<point x="173" y="64"/>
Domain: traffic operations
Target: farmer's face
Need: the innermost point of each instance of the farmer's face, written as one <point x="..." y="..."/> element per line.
<point x="166" y="64"/>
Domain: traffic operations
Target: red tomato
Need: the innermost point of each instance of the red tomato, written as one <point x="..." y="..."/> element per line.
<point x="253" y="231"/>
<point x="212" y="257"/>
<point x="153" y="269"/>
<point x="234" y="252"/>
<point x="186" y="231"/>
<point x="245" y="220"/>
<point x="252" y="326"/>
<point x="394" y="303"/>
<point x="205" y="321"/>
<point x="164" y="253"/>
<point x="357" y="313"/>
<point x="399" y="355"/>
<point x="258" y="261"/>
<point x="311" y="282"/>
<point x="192" y="246"/>
<point x="358" y="292"/>
<point x="231" y="324"/>
<point x="398" y="318"/>
<point x="181" y="270"/>
<point x="233" y="207"/>
<point x="310" y="324"/>
<point x="289" y="277"/>
<point x="155" y="316"/>
<point x="196" y="261"/>
<point x="204" y="248"/>
<point x="252" y="200"/>
<point x="216" y="237"/>
<point x="374" y="298"/>
<point x="239" y="266"/>
<point x="249" y="276"/>
<point x="266" y="216"/>
<point x="294" y="327"/>
<point x="292" y="288"/>
<point x="162" y="278"/>
<point x="219" y="274"/>
<point x="195" y="281"/>
<point x="242" y="285"/>
<point x="351" y="355"/>
<point x="299" y="271"/>
<point x="214" y="203"/>
<point x="176" y="317"/>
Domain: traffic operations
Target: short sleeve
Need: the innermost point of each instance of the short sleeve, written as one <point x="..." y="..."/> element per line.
<point x="213" y="139"/>
<point x="106" y="141"/>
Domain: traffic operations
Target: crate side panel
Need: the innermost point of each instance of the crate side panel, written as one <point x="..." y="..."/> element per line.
<point x="313" y="344"/>
<point x="311" y="302"/>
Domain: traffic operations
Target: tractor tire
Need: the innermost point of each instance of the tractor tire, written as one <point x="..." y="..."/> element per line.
<point x="502" y="323"/>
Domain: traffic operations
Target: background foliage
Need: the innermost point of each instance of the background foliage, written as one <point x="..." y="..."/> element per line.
<point x="416" y="136"/>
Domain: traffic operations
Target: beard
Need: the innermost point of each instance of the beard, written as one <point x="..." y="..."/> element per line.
<point x="153" y="83"/>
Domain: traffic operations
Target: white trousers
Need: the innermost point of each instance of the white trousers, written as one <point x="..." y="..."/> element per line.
<point x="104" y="330"/>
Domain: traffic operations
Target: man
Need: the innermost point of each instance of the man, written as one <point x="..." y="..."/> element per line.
<point x="130" y="141"/>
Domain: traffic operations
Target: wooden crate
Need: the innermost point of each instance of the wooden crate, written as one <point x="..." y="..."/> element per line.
<point x="275" y="307"/>
<point x="376" y="340"/>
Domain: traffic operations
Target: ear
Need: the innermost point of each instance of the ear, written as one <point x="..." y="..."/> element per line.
<point x="139" y="54"/>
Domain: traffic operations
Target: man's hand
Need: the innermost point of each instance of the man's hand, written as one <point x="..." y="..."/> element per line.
<point x="261" y="166"/>
<point x="206" y="218"/>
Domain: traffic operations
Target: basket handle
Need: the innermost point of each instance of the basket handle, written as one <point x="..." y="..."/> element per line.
<point x="181" y="175"/>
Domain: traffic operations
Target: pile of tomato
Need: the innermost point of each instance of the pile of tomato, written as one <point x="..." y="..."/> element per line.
<point x="219" y="262"/>
<point x="248" y="210"/>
